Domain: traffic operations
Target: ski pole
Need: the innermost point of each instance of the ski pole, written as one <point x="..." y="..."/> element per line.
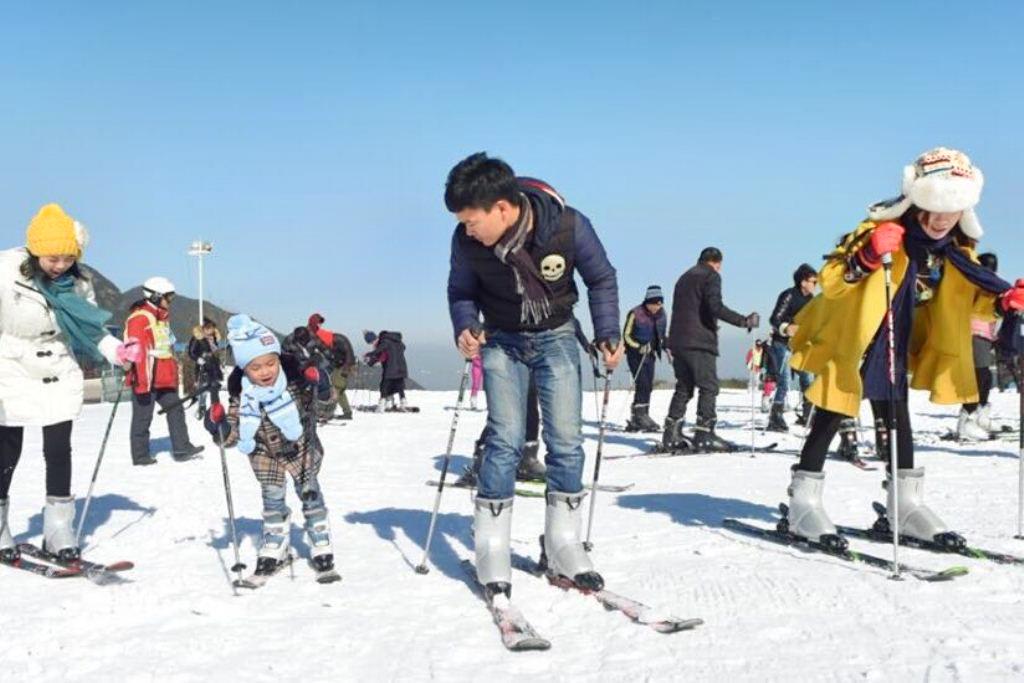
<point x="587" y="545"/>
<point x="238" y="566"/>
<point x="422" y="568"/>
<point x="1020" y="452"/>
<point x="890" y="436"/>
<point x="96" y="469"/>
<point x="753" y="389"/>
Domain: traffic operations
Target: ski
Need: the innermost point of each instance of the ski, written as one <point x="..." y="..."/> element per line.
<point x="254" y="581"/>
<point x="776" y="536"/>
<point x="328" y="576"/>
<point x="44" y="570"/>
<point x="636" y="611"/>
<point x="523" y="488"/>
<point x="883" y="536"/>
<point x="659" y="451"/>
<point x="100" y="574"/>
<point x="516" y="632"/>
<point x="856" y="461"/>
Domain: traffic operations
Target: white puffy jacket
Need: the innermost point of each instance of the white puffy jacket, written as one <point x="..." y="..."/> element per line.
<point x="40" y="381"/>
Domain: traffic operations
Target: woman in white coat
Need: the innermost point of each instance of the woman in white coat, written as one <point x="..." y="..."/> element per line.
<point x="48" y="318"/>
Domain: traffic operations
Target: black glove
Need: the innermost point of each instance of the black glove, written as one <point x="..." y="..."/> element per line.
<point x="752" y="321"/>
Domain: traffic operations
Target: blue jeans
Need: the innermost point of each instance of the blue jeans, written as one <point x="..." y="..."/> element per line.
<point x="554" y="359"/>
<point x="781" y="353"/>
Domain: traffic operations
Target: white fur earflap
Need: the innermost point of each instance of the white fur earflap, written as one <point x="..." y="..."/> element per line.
<point x="970" y="224"/>
<point x="943" y="193"/>
<point x="81" y="236"/>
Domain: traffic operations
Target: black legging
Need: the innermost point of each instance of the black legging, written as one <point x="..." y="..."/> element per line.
<point x="984" y="377"/>
<point x="825" y="424"/>
<point x="56" y="451"/>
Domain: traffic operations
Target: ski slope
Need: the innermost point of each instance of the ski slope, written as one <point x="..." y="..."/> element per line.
<point x="771" y="613"/>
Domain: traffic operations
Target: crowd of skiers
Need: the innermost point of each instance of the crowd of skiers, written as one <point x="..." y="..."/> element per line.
<point x="905" y="302"/>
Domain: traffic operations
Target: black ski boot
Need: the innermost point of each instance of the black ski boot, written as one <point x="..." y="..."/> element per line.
<point x="848" y="441"/>
<point x="706" y="441"/>
<point x="470" y="475"/>
<point x="266" y="566"/>
<point x="646" y="423"/>
<point x="672" y="438"/>
<point x="190" y="452"/>
<point x="530" y="467"/>
<point x="805" y="413"/>
<point x="776" y="422"/>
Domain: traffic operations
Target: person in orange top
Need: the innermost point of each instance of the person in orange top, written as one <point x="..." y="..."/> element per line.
<point x="154" y="379"/>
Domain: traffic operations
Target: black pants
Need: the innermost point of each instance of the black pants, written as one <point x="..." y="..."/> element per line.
<point x="695" y="370"/>
<point x="56" y="452"/>
<point x="984" y="377"/>
<point x="644" y="378"/>
<point x="825" y="424"/>
<point x="142" y="418"/>
<point x="392" y="386"/>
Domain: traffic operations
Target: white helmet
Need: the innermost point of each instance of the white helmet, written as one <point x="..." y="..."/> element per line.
<point x="155" y="288"/>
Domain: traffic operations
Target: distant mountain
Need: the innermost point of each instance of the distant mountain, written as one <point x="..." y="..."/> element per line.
<point x="185" y="313"/>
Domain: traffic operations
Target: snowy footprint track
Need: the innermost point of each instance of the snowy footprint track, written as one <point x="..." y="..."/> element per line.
<point x="637" y="612"/>
<point x="517" y="635"/>
<point x="852" y="556"/>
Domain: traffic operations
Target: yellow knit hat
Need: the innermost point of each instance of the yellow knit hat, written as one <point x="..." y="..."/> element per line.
<point x="53" y="233"/>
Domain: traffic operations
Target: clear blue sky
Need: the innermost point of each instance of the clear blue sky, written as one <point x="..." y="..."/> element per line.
<point x="310" y="141"/>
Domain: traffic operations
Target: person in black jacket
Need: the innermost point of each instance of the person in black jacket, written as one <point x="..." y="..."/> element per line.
<point x="693" y="340"/>
<point x="789" y="303"/>
<point x="644" y="337"/>
<point x="389" y="351"/>
<point x="204" y="349"/>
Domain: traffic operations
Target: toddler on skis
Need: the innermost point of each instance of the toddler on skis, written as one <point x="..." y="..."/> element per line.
<point x="274" y="400"/>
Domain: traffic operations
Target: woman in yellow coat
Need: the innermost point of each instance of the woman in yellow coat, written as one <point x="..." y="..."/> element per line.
<point x="929" y="232"/>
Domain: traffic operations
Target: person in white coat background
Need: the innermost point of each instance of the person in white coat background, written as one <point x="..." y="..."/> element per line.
<point x="48" y="319"/>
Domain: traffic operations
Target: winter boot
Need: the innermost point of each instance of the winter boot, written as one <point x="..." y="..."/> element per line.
<point x="472" y="403"/>
<point x="848" y="440"/>
<point x="58" y="534"/>
<point x="530" y="467"/>
<point x="776" y="422"/>
<point x="492" y="531"/>
<point x="275" y="545"/>
<point x="190" y="452"/>
<point x="706" y="441"/>
<point x="646" y="423"/>
<point x="634" y="423"/>
<point x="807" y="517"/>
<point x="403" y="405"/>
<point x="917" y="520"/>
<point x="672" y="439"/>
<point x="766" y="402"/>
<point x="968" y="429"/>
<point x="382" y="405"/>
<point x="8" y="550"/>
<point x="144" y="461"/>
<point x="983" y="416"/>
<point x="562" y="548"/>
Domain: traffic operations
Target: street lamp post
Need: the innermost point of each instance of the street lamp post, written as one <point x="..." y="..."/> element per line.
<point x="199" y="249"/>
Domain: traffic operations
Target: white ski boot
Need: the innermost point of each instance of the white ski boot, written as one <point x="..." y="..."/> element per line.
<point x="917" y="520"/>
<point x="968" y="429"/>
<point x="983" y="416"/>
<point x="275" y="545"/>
<point x="8" y="549"/>
<point x="492" y="531"/>
<point x="563" y="551"/>
<point x="318" y="530"/>
<point x="58" y="531"/>
<point x="807" y="517"/>
<point x="382" y="405"/>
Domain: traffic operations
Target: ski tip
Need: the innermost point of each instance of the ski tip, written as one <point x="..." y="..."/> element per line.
<point x="527" y="644"/>
<point x="953" y="572"/>
<point x="677" y="625"/>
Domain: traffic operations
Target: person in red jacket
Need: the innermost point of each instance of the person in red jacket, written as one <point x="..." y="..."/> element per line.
<point x="154" y="379"/>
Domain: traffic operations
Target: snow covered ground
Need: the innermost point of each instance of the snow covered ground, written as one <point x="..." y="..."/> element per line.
<point x="771" y="613"/>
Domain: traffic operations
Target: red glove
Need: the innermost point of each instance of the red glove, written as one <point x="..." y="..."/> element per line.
<point x="213" y="421"/>
<point x="311" y="374"/>
<point x="885" y="239"/>
<point x="1013" y="298"/>
<point x="216" y="412"/>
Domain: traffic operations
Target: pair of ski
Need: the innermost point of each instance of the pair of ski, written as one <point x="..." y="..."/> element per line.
<point x="527" y="489"/>
<point x="517" y="634"/>
<point x="50" y="566"/>
<point x="254" y="580"/>
<point x="659" y="451"/>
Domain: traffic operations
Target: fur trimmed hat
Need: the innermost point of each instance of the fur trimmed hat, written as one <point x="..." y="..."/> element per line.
<point x="942" y="180"/>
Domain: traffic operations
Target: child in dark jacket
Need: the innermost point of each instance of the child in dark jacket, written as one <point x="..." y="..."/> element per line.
<point x="389" y="351"/>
